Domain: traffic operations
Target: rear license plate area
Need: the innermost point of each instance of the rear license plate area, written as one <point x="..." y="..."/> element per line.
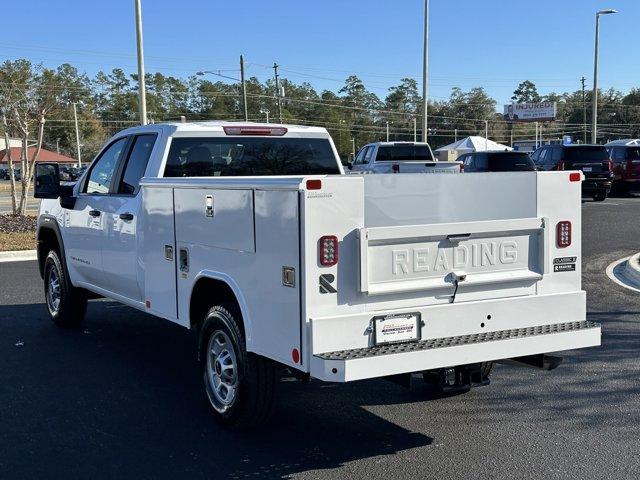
<point x="397" y="328"/>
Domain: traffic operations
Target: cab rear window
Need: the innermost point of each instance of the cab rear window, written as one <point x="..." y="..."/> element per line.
<point x="400" y="153"/>
<point x="586" y="154"/>
<point x="249" y="156"/>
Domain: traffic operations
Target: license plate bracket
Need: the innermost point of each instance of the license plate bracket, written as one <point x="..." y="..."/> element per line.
<point x="396" y="328"/>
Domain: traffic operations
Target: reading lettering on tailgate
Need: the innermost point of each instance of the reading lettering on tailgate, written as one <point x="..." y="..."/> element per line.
<point x="426" y="259"/>
<point x="435" y="258"/>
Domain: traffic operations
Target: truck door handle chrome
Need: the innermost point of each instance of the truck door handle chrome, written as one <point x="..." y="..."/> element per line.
<point x="126" y="216"/>
<point x="94" y="213"/>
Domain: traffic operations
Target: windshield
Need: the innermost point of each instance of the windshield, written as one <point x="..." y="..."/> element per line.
<point x="586" y="154"/>
<point x="402" y="153"/>
<point x="510" y="162"/>
<point x="249" y="156"/>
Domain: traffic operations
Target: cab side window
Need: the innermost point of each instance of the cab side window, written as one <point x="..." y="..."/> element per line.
<point x="359" y="160"/>
<point x="102" y="172"/>
<point x="367" y="156"/>
<point x="136" y="164"/>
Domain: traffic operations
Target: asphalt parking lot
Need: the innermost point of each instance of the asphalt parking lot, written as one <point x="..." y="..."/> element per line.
<point x="122" y="397"/>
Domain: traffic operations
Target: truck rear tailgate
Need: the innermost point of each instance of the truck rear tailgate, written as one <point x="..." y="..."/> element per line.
<point x="424" y="257"/>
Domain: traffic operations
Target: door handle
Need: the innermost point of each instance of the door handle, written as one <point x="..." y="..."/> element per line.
<point x="94" y="213"/>
<point x="126" y="216"/>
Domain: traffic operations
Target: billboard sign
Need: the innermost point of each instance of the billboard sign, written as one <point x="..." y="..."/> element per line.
<point x="530" y="112"/>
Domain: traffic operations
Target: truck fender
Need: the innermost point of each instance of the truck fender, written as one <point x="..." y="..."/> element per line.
<point x="242" y="304"/>
<point x="48" y="223"/>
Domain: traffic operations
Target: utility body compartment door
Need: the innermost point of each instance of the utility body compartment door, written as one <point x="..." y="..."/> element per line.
<point x="159" y="252"/>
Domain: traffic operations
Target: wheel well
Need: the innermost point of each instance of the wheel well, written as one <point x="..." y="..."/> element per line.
<point x="208" y="292"/>
<point x="47" y="241"/>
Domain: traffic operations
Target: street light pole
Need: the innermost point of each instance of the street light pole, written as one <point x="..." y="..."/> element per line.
<point x="415" y="129"/>
<point x="244" y="89"/>
<point x="141" y="81"/>
<point x="75" y="119"/>
<point x="594" y="120"/>
<point x="425" y="70"/>
<point x="387" y="131"/>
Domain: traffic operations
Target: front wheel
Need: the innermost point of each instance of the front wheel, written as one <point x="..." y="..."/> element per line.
<point x="239" y="385"/>
<point x="67" y="305"/>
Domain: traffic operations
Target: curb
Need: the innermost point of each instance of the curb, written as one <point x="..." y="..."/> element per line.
<point x="625" y="272"/>
<point x="18" y="256"/>
<point x="632" y="269"/>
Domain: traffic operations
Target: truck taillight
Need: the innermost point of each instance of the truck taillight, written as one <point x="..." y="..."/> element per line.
<point x="563" y="234"/>
<point x="254" y="130"/>
<point x="328" y="250"/>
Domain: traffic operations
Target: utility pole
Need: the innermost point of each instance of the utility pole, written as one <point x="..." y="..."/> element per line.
<point x="75" y="119"/>
<point x="244" y="89"/>
<point x="584" y="109"/>
<point x="455" y="134"/>
<point x="275" y="70"/>
<point x="415" y="129"/>
<point x="387" y="131"/>
<point x="58" y="146"/>
<point x="141" y="81"/>
<point x="353" y="147"/>
<point x="486" y="135"/>
<point x="594" y="119"/>
<point x="425" y="71"/>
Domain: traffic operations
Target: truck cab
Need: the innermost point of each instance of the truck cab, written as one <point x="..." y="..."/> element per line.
<point x="399" y="157"/>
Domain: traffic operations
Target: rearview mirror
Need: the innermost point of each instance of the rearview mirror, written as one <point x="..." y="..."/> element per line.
<point x="47" y="183"/>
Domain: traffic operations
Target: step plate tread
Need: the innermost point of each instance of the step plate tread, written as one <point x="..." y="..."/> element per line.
<point x="446" y="342"/>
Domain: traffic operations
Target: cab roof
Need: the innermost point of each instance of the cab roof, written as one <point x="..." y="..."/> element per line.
<point x="217" y="126"/>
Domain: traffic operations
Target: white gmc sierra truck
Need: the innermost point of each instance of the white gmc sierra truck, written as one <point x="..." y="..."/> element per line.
<point x="399" y="157"/>
<point x="252" y="236"/>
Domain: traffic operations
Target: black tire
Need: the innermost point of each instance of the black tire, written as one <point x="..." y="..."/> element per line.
<point x="599" y="196"/>
<point x="71" y="307"/>
<point x="486" y="368"/>
<point x="254" y="378"/>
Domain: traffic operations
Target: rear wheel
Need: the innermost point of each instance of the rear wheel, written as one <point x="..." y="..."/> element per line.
<point x="599" y="196"/>
<point x="67" y="305"/>
<point x="239" y="385"/>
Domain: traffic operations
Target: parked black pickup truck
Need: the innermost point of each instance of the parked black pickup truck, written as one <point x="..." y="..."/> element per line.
<point x="593" y="160"/>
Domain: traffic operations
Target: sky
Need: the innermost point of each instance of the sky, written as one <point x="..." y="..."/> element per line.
<point x="490" y="43"/>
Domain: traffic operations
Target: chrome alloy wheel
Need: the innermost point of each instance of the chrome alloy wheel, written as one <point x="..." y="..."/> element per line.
<point x="222" y="371"/>
<point x="53" y="291"/>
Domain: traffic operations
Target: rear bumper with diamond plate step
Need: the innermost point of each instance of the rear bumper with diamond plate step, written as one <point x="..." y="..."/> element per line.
<point x="378" y="361"/>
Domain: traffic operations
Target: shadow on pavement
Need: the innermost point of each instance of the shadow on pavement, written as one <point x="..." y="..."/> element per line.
<point x="122" y="397"/>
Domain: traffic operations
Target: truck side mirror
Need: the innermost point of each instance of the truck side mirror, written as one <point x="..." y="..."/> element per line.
<point x="47" y="178"/>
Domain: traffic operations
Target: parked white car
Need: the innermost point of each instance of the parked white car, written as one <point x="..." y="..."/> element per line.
<point x="399" y="157"/>
<point x="251" y="236"/>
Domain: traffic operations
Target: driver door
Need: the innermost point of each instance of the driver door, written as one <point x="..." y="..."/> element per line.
<point x="85" y="223"/>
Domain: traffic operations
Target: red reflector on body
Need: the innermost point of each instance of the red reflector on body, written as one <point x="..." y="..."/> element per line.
<point x="314" y="184"/>
<point x="563" y="234"/>
<point x="256" y="131"/>
<point x="574" y="177"/>
<point x="328" y="250"/>
<point x="295" y="355"/>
